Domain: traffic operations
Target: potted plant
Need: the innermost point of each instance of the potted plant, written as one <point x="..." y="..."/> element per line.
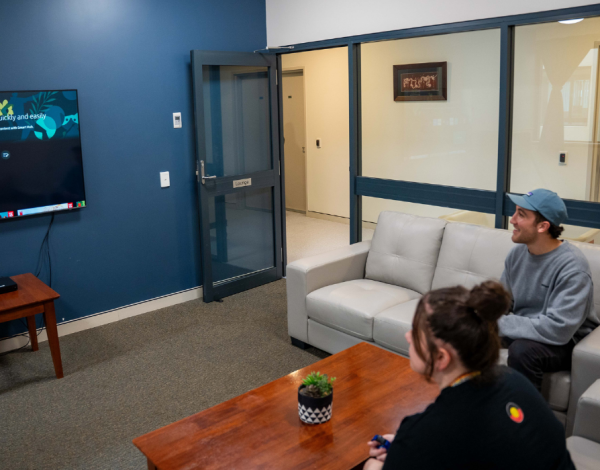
<point x="315" y="398"/>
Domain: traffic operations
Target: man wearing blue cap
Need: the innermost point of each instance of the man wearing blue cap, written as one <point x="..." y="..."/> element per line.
<point x="551" y="285"/>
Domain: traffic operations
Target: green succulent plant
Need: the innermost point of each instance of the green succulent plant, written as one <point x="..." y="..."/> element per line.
<point x="318" y="385"/>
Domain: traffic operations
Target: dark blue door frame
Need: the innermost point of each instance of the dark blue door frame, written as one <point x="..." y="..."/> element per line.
<point x="582" y="213"/>
<point x="355" y="141"/>
<point x="281" y="162"/>
<point x="221" y="185"/>
<point x="507" y="45"/>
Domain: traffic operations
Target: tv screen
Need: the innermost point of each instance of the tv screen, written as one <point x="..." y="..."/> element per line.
<point x="41" y="168"/>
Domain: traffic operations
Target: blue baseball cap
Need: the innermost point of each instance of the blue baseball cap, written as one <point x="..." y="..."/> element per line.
<point x="545" y="202"/>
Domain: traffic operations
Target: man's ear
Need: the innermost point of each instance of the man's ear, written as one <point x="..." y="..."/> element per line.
<point x="443" y="359"/>
<point x="543" y="227"/>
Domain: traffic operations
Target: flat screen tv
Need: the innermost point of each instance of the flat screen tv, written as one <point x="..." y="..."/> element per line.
<point x="41" y="167"/>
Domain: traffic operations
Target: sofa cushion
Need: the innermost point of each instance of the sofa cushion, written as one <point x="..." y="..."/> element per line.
<point x="471" y="254"/>
<point x="556" y="388"/>
<point x="584" y="453"/>
<point x="350" y="306"/>
<point x="404" y="250"/>
<point x="391" y="325"/>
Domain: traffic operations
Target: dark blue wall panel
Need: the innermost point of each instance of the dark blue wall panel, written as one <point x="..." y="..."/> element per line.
<point x="130" y="61"/>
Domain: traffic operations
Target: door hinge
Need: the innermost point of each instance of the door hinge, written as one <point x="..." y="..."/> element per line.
<point x="279" y="167"/>
<point x="276" y="78"/>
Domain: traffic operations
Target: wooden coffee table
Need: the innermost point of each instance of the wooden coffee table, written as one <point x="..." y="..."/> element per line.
<point x="261" y="429"/>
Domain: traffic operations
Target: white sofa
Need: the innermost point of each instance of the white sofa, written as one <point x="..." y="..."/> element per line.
<point x="584" y="444"/>
<point x="369" y="291"/>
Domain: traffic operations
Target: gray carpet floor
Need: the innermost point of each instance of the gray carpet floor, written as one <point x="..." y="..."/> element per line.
<point x="127" y="378"/>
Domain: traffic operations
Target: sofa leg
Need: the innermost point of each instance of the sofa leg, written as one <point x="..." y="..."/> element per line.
<point x="299" y="344"/>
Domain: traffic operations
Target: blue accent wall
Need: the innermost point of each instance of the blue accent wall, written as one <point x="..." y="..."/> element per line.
<point x="130" y="62"/>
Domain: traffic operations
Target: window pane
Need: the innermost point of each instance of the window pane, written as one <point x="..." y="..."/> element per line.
<point x="453" y="142"/>
<point x="555" y="102"/>
<point x="240" y="242"/>
<point x="237" y="119"/>
<point x="372" y="206"/>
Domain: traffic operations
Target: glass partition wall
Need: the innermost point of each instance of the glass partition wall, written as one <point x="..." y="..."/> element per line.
<point x="519" y="111"/>
<point x="555" y="113"/>
<point x="555" y="108"/>
<point x="451" y="141"/>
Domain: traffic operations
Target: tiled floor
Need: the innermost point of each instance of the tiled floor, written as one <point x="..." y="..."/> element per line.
<point x="307" y="236"/>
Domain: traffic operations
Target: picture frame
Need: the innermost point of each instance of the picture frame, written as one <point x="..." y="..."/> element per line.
<point x="421" y="82"/>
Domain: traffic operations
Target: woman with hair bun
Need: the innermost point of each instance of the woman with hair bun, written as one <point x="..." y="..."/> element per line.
<point x="486" y="416"/>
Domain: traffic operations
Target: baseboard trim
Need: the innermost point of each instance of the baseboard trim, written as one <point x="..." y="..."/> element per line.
<point x="103" y="318"/>
<point x="337" y="218"/>
<point x="371" y="225"/>
<point x="331" y="218"/>
<point x="299" y="211"/>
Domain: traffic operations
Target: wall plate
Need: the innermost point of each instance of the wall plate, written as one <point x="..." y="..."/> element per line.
<point x="563" y="158"/>
<point x="177" y="120"/>
<point x="165" y="180"/>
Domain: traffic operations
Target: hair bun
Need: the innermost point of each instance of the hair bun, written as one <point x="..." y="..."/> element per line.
<point x="489" y="300"/>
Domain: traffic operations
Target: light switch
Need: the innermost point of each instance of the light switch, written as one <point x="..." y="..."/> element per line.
<point x="177" y="120"/>
<point x="165" y="180"/>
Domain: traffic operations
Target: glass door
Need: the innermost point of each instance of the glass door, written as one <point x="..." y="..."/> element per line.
<point x="237" y="148"/>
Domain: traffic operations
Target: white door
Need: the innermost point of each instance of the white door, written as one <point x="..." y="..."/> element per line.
<point x="294" y="133"/>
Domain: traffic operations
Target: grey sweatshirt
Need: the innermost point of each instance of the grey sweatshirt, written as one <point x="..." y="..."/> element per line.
<point x="552" y="295"/>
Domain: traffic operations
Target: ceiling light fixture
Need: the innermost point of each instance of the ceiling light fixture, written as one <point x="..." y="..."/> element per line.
<point x="571" y="21"/>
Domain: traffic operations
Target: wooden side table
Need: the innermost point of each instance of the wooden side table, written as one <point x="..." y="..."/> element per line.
<point x="33" y="297"/>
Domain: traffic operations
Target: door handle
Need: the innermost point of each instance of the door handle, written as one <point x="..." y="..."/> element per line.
<point x="202" y="173"/>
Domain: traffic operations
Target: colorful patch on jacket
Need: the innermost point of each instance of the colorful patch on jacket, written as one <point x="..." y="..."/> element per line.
<point x="515" y="412"/>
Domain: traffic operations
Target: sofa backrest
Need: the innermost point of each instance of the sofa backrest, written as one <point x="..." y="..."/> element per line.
<point x="592" y="253"/>
<point x="471" y="254"/>
<point x="404" y="250"/>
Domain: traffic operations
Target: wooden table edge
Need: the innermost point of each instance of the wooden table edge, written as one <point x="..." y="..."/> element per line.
<point x="55" y="295"/>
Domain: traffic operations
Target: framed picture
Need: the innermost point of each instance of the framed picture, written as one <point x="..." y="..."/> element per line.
<point x="420" y="82"/>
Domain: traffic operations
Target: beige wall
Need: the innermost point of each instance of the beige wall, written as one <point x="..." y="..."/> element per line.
<point x="326" y="95"/>
<point x="453" y="142"/>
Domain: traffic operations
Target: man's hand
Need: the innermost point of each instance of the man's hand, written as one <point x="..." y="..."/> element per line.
<point x="373" y="464"/>
<point x="379" y="454"/>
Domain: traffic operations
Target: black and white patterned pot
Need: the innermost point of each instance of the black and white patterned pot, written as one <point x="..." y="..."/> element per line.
<point x="314" y="410"/>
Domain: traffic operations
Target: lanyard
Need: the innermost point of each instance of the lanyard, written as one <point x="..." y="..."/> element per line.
<point x="464" y="378"/>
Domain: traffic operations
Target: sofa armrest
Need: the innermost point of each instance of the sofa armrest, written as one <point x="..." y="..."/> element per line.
<point x="585" y="370"/>
<point x="309" y="274"/>
<point x="587" y="418"/>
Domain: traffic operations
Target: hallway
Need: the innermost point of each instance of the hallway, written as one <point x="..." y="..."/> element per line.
<point x="307" y="236"/>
